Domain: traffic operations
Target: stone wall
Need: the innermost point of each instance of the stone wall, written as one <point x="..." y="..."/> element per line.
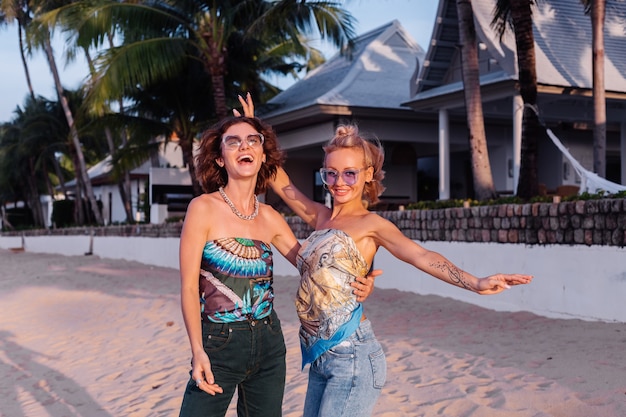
<point x="139" y="230"/>
<point x="591" y="222"/>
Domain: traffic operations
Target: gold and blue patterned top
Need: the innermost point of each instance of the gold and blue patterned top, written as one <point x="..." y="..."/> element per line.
<point x="329" y="261"/>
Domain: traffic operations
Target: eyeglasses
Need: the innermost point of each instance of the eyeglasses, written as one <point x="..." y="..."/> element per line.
<point x="253" y="140"/>
<point x="330" y="176"/>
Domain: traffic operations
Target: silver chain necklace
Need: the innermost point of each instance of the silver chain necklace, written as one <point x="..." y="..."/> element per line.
<point x="237" y="212"/>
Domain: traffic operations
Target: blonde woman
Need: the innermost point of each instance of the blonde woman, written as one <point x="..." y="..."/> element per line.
<point x="347" y="365"/>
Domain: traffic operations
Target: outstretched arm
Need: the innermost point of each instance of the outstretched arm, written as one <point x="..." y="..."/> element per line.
<point x="435" y="264"/>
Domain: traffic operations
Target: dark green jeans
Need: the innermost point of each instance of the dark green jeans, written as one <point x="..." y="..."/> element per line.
<point x="248" y="356"/>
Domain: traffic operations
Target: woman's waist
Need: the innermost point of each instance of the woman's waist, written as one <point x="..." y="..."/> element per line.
<point x="238" y="316"/>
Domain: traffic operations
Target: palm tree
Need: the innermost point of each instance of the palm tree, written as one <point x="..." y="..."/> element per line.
<point x="481" y="168"/>
<point x="597" y="10"/>
<point x="29" y="144"/>
<point x="15" y="179"/>
<point x="159" y="37"/>
<point x="161" y="41"/>
<point x="123" y="176"/>
<point x="517" y="14"/>
<point x="180" y="106"/>
<point x="40" y="36"/>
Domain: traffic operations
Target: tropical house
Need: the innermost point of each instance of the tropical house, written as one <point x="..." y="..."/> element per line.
<point x="163" y="181"/>
<point x="564" y="77"/>
<point x="412" y="100"/>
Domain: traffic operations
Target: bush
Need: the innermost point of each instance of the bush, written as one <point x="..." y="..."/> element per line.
<point x="442" y="204"/>
<point x="63" y="213"/>
<point x="20" y="217"/>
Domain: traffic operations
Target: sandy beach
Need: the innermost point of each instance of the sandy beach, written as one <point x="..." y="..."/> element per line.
<point x="85" y="336"/>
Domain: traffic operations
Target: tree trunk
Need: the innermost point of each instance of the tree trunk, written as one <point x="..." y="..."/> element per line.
<point x="6" y="224"/>
<point x="59" y="174"/>
<point x="33" y="194"/>
<point x="24" y="63"/>
<point x="186" y="145"/>
<point x="73" y="133"/>
<point x="214" y="63"/>
<point x="219" y="95"/>
<point x="123" y="184"/>
<point x="525" y="42"/>
<point x="481" y="168"/>
<point x="79" y="212"/>
<point x="598" y="10"/>
<point x="46" y="177"/>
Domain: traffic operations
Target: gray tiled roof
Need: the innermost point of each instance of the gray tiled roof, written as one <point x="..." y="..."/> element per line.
<point x="378" y="75"/>
<point x="562" y="34"/>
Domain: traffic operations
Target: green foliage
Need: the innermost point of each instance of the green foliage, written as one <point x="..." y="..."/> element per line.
<point x="20" y="217"/>
<point x="442" y="204"/>
<point x="63" y="213"/>
<point x="175" y="219"/>
<point x="432" y="205"/>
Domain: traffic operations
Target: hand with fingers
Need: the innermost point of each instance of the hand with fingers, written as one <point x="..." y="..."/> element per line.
<point x="247" y="106"/>
<point x="497" y="283"/>
<point x="202" y="374"/>
<point x="364" y="286"/>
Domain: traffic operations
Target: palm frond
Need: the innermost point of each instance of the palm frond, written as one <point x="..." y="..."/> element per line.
<point x="128" y="67"/>
<point x="502" y="15"/>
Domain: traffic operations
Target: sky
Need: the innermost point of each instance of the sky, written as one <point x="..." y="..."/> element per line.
<point x="416" y="16"/>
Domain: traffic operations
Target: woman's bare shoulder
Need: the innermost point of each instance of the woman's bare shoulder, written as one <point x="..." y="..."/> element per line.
<point x="270" y="213"/>
<point x="374" y="218"/>
<point x="201" y="204"/>
<point x="377" y="225"/>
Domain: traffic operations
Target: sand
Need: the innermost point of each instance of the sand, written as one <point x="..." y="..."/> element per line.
<point x="85" y="336"/>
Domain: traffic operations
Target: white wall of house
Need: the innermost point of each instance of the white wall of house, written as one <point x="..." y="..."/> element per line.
<point x="170" y="162"/>
<point x="112" y="207"/>
<point x="165" y="176"/>
<point x="582" y="282"/>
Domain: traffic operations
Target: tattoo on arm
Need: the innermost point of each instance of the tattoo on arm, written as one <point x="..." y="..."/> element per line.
<point x="454" y="274"/>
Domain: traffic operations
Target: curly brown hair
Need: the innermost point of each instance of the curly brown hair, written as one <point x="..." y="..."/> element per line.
<point x="211" y="176"/>
<point x="347" y="136"/>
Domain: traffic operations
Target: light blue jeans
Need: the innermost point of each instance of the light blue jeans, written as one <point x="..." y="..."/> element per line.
<point x="347" y="380"/>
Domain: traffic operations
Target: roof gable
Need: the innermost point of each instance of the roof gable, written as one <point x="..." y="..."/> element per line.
<point x="562" y="44"/>
<point x="378" y="74"/>
<point x="442" y="49"/>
